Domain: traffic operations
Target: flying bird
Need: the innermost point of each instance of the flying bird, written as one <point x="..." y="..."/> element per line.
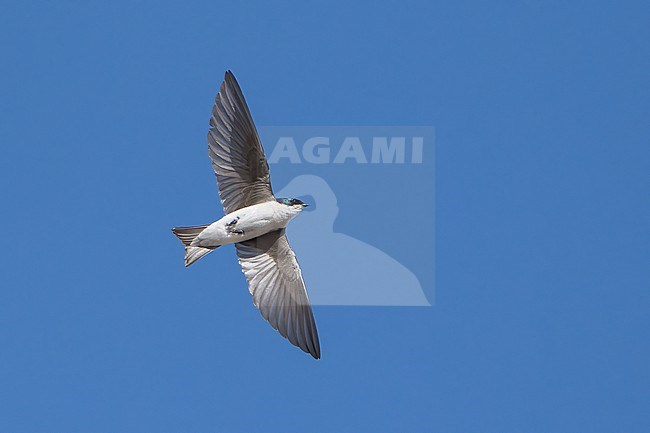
<point x="255" y="221"/>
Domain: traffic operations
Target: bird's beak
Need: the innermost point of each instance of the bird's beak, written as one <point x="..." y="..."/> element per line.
<point x="304" y="205"/>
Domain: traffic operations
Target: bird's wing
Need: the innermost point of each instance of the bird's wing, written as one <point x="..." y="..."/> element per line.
<point x="275" y="281"/>
<point x="236" y="151"/>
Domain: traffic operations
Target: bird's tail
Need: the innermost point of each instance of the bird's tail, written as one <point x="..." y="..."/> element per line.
<point x="187" y="235"/>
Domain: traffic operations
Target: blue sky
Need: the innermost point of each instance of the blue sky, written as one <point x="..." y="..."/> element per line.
<point x="540" y="322"/>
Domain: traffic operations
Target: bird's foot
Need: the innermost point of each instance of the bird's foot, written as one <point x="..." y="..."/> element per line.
<point x="232" y="223"/>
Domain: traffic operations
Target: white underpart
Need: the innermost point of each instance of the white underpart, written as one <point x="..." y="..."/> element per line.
<point x="253" y="220"/>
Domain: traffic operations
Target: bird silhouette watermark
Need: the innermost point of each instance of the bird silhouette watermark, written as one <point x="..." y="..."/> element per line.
<point x="343" y="164"/>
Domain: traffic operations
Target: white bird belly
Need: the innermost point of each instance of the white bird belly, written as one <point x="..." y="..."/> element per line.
<point x="243" y="224"/>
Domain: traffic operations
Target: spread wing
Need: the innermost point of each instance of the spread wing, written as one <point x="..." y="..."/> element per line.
<point x="236" y="151"/>
<point x="275" y="281"/>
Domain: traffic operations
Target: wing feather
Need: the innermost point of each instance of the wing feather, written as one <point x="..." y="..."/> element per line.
<point x="236" y="152"/>
<point x="278" y="289"/>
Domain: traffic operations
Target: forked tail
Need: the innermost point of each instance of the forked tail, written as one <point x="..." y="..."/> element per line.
<point x="187" y="235"/>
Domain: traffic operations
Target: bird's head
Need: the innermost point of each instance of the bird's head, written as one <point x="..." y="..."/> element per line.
<point x="293" y="202"/>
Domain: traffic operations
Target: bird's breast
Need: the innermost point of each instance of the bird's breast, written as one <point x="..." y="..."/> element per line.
<point x="243" y="224"/>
